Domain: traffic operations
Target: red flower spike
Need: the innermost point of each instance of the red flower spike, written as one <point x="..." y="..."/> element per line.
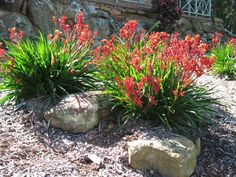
<point x="12" y="62"/>
<point x="175" y="92"/>
<point x="50" y="36"/>
<point x="15" y="36"/>
<point x="79" y="19"/>
<point x="2" y="53"/>
<point x="129" y="30"/>
<point x="54" y="19"/>
<point x="129" y="85"/>
<point x="233" y="41"/>
<point x="156" y="85"/>
<point x="72" y="72"/>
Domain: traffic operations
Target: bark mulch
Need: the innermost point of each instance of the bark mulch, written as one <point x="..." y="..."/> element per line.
<point x="29" y="147"/>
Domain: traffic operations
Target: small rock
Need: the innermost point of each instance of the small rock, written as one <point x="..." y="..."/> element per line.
<point x="95" y="158"/>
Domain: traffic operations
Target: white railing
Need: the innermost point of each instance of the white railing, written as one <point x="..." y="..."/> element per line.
<point x="196" y="7"/>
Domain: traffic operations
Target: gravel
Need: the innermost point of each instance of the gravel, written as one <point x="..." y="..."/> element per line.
<point x="29" y="147"/>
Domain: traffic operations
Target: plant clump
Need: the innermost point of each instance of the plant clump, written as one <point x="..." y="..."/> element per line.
<point x="153" y="76"/>
<point x="52" y="65"/>
<point x="225" y="54"/>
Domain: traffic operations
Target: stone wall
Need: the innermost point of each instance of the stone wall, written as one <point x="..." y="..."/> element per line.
<point x="33" y="15"/>
<point x="205" y="27"/>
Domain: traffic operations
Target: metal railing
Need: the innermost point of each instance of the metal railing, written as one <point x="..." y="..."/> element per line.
<point x="196" y="7"/>
<point x="189" y="7"/>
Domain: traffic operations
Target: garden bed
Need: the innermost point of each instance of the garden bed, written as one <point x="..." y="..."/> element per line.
<point x="28" y="146"/>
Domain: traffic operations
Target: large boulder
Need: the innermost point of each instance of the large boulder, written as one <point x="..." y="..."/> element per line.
<point x="40" y="12"/>
<point x="14" y="19"/>
<point x="10" y="5"/>
<point x="172" y="157"/>
<point x="78" y="113"/>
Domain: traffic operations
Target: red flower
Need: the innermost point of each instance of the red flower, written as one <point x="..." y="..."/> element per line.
<point x="12" y="62"/>
<point x="216" y="38"/>
<point x="50" y="36"/>
<point x="233" y="41"/>
<point x="129" y="30"/>
<point x="72" y="72"/>
<point x="135" y="61"/>
<point x="133" y="94"/>
<point x="79" y="18"/>
<point x="14" y="35"/>
<point x="141" y="83"/>
<point x="54" y="19"/>
<point x="2" y="52"/>
<point x="156" y="85"/>
<point x="129" y="85"/>
<point x="175" y="92"/>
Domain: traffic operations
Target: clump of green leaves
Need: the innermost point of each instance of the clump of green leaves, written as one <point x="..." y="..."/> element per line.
<point x="48" y="66"/>
<point x="225" y="54"/>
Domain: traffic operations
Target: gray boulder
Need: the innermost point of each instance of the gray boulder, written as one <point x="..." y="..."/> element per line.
<point x="40" y="13"/>
<point x="10" y="5"/>
<point x="14" y="19"/>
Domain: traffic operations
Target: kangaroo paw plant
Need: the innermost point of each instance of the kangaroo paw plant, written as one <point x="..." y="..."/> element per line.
<point x="54" y="65"/>
<point x="225" y="54"/>
<point x="153" y="76"/>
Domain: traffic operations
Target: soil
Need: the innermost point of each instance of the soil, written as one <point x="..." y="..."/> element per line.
<point x="30" y="147"/>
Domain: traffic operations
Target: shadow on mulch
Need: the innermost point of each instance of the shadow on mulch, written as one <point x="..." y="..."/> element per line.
<point x="218" y="152"/>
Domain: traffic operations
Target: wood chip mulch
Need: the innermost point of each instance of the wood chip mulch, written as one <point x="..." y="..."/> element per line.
<point x="30" y="147"/>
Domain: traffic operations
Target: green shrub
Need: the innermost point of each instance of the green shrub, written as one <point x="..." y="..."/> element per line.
<point x="55" y="65"/>
<point x="153" y="76"/>
<point x="225" y="64"/>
